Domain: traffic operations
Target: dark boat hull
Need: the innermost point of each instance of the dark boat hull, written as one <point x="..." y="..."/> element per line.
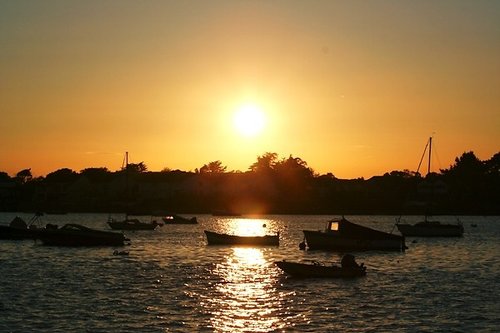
<point x="214" y="238"/>
<point x="343" y="235"/>
<point x="316" y="270"/>
<point x="431" y="229"/>
<point x="175" y="219"/>
<point x="132" y="225"/>
<point x="76" y="235"/>
<point x="317" y="240"/>
<point x="11" y="233"/>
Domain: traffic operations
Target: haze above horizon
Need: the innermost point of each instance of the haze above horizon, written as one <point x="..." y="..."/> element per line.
<point x="352" y="88"/>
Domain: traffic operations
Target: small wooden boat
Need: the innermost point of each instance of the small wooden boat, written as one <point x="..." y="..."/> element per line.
<point x="78" y="235"/>
<point x="132" y="224"/>
<point x="319" y="270"/>
<point x="343" y="235"/>
<point x="214" y="238"/>
<point x="177" y="219"/>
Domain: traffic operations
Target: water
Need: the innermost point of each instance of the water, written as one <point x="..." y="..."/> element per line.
<point x="171" y="281"/>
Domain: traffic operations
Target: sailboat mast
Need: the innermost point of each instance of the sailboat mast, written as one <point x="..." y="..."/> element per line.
<point x="430" y="153"/>
<point x="126" y="186"/>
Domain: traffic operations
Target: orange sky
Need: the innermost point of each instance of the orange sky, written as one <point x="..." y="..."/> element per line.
<point x="353" y="88"/>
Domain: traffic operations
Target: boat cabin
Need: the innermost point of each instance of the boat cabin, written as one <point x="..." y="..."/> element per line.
<point x="333" y="226"/>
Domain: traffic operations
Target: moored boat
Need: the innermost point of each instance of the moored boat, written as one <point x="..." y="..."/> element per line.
<point x="320" y="270"/>
<point x="431" y="229"/>
<point x="177" y="219"/>
<point x="18" y="229"/>
<point x="78" y="235"/>
<point x="428" y="228"/>
<point x="214" y="238"/>
<point x="343" y="235"/>
<point x="132" y="224"/>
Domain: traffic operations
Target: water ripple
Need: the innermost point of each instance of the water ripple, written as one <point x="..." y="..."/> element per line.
<point x="172" y="282"/>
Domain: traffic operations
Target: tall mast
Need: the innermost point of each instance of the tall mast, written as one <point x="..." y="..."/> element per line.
<point x="430" y="151"/>
<point x="126" y="186"/>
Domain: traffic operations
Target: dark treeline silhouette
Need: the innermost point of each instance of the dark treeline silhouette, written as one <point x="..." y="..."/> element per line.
<point x="271" y="185"/>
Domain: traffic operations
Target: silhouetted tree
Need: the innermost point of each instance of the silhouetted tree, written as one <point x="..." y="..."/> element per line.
<point x="213" y="167"/>
<point x="137" y="167"/>
<point x="63" y="175"/>
<point x="24" y="176"/>
<point x="4" y="176"/>
<point x="492" y="165"/>
<point x="467" y="165"/>
<point x="293" y="167"/>
<point x="95" y="174"/>
<point x="403" y="174"/>
<point x="264" y="163"/>
<point x="272" y="185"/>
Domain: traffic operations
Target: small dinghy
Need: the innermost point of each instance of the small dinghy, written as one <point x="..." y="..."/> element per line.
<point x="348" y="269"/>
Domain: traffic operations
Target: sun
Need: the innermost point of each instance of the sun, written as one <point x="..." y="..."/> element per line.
<point x="249" y="120"/>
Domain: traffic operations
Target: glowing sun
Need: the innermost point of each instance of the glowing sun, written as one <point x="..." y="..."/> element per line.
<point x="249" y="120"/>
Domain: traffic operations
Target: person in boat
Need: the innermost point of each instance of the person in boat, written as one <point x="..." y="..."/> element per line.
<point x="348" y="261"/>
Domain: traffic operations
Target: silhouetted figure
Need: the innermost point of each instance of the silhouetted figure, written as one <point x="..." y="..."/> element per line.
<point x="348" y="261"/>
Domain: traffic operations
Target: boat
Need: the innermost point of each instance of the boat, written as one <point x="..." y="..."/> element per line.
<point x="18" y="229"/>
<point x="214" y="238"/>
<point x="177" y="219"/>
<point x="316" y="269"/>
<point x="343" y="235"/>
<point x="79" y="235"/>
<point x="130" y="223"/>
<point x="428" y="227"/>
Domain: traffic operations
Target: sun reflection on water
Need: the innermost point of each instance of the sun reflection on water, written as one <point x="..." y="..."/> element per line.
<point x="250" y="227"/>
<point x="246" y="299"/>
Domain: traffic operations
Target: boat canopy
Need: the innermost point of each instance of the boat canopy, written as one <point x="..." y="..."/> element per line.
<point x="346" y="228"/>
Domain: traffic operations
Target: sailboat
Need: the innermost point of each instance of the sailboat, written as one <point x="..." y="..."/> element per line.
<point x="130" y="223"/>
<point x="427" y="227"/>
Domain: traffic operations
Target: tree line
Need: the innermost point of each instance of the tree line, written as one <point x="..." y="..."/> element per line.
<point x="272" y="185"/>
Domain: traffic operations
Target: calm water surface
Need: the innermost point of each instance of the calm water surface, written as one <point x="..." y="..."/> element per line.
<point x="171" y="281"/>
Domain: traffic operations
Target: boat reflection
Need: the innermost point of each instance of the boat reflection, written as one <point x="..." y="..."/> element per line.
<point x="246" y="299"/>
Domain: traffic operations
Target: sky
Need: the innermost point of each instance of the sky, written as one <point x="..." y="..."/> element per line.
<point x="354" y="88"/>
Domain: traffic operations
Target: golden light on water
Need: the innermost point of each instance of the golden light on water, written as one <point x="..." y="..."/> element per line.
<point x="250" y="227"/>
<point x="247" y="299"/>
